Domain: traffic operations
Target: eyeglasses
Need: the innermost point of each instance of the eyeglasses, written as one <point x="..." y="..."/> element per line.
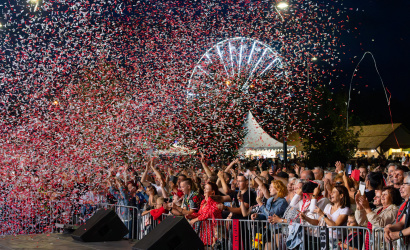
<point x="406" y="183"/>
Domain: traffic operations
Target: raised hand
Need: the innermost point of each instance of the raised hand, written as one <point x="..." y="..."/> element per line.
<point x="318" y="211"/>
<point x="338" y="166"/>
<point x="356" y="198"/>
<point x="364" y="202"/>
<point x="220" y="174"/>
<point x="297" y="169"/>
<point x="240" y="196"/>
<point x="299" y="191"/>
<point x="316" y="192"/>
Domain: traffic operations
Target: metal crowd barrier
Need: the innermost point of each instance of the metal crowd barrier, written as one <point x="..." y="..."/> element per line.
<point x="381" y="243"/>
<point x="21" y="218"/>
<point x="250" y="234"/>
<point x="131" y="217"/>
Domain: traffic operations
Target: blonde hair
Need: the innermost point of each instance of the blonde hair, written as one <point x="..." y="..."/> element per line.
<point x="160" y="200"/>
<point x="281" y="188"/>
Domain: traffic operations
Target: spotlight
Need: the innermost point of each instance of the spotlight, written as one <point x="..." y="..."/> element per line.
<point x="282" y="5"/>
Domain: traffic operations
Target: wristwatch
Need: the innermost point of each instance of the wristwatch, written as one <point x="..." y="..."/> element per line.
<point x="401" y="234"/>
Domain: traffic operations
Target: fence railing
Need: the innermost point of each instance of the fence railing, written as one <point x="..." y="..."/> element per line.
<point x="19" y="218"/>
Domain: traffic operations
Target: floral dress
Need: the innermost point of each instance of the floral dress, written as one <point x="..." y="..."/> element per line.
<point x="208" y="210"/>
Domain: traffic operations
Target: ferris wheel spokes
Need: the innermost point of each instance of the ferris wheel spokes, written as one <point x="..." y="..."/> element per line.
<point x="222" y="60"/>
<point x="240" y="59"/>
<point x="253" y="70"/>
<point x="237" y="59"/>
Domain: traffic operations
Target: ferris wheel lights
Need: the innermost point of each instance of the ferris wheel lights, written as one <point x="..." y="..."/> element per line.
<point x="282" y="5"/>
<point x="240" y="62"/>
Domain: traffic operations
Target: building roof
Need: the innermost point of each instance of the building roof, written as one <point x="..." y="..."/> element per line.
<point x="383" y="135"/>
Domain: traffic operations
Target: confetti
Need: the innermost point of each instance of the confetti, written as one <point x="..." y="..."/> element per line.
<point x="88" y="85"/>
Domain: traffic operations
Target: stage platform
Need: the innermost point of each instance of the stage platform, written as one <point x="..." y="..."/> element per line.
<point x="59" y="241"/>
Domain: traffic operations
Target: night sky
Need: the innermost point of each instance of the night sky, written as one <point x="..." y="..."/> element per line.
<point x="383" y="30"/>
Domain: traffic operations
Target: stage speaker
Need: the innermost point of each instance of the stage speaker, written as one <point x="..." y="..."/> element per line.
<point x="104" y="225"/>
<point x="173" y="233"/>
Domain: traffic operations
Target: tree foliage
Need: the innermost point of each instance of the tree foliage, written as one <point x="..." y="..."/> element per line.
<point x="328" y="140"/>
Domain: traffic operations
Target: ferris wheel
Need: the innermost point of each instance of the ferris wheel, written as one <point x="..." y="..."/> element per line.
<point x="239" y="61"/>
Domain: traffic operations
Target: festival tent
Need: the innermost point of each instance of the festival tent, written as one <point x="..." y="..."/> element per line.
<point x="388" y="139"/>
<point x="258" y="143"/>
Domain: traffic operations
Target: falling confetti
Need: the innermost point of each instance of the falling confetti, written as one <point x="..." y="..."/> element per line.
<point x="89" y="85"/>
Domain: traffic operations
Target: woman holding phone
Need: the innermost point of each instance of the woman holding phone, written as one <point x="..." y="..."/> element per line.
<point x="380" y="217"/>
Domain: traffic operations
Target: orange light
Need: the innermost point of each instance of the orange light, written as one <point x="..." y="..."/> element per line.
<point x="55" y="102"/>
<point x="228" y="82"/>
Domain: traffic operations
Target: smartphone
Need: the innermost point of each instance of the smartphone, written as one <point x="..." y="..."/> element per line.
<point x="362" y="187"/>
<point x="273" y="168"/>
<point x="247" y="173"/>
<point x="348" y="169"/>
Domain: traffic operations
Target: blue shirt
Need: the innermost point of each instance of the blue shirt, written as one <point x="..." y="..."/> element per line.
<point x="277" y="207"/>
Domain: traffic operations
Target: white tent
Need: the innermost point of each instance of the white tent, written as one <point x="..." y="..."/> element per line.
<point x="258" y="143"/>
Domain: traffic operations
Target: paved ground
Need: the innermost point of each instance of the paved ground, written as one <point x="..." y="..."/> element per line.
<point x="58" y="241"/>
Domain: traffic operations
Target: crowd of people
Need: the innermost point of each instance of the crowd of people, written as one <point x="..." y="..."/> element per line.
<point x="368" y="193"/>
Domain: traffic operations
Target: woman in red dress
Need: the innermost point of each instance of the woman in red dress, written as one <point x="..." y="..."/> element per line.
<point x="208" y="210"/>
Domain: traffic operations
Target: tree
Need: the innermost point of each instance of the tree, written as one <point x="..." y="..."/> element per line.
<point x="328" y="140"/>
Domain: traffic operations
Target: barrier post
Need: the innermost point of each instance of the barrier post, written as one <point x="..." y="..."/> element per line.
<point x="236" y="237"/>
<point x="324" y="237"/>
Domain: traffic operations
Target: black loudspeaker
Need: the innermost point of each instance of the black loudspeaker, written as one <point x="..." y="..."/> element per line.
<point x="173" y="233"/>
<point x="104" y="225"/>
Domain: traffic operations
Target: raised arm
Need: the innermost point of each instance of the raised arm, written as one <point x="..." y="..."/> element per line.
<point x="265" y="191"/>
<point x="206" y="168"/>
<point x="245" y="208"/>
<point x="157" y="173"/>
<point x="231" y="165"/>
<point x="145" y="174"/>
<point x="225" y="187"/>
